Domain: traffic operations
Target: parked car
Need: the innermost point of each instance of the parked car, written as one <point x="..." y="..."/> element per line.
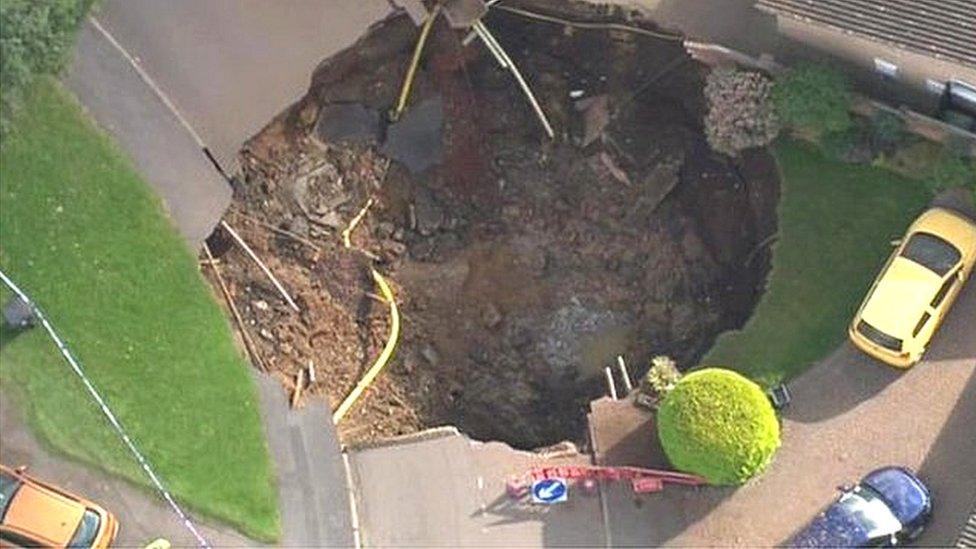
<point x="916" y="288"/>
<point x="36" y="514"/>
<point x="889" y="507"/>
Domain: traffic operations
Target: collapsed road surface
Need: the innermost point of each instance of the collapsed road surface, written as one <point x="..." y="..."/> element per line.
<point x="522" y="264"/>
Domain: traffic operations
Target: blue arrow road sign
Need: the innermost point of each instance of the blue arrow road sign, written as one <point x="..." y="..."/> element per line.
<point x="550" y="490"/>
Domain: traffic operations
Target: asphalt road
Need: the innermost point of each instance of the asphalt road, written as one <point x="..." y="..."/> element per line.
<point x="230" y="66"/>
<point x="192" y="192"/>
<point x="212" y="74"/>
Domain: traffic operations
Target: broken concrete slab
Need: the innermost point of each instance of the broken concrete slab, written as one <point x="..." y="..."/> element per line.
<point x="461" y="14"/>
<point x="347" y="123"/>
<point x="415" y="140"/>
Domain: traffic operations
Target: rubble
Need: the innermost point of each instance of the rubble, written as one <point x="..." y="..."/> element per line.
<point x="522" y="265"/>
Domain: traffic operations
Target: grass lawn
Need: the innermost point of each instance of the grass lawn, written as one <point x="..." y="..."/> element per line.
<point x="84" y="236"/>
<point x="835" y="224"/>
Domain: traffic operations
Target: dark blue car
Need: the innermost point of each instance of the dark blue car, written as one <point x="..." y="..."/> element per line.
<point x="890" y="506"/>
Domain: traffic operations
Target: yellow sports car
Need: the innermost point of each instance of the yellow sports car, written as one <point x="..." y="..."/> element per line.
<point x="916" y="288"/>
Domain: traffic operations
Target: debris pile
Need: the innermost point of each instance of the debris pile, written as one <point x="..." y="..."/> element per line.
<point x="522" y="265"/>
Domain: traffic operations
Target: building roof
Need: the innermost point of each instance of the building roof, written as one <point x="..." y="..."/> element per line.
<point x="941" y="28"/>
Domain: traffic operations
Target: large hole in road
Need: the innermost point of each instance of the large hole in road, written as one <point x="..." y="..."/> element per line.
<point x="522" y="265"/>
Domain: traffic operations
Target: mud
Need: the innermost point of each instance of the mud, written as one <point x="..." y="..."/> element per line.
<point x="522" y="265"/>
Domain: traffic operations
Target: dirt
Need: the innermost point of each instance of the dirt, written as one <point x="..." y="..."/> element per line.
<point x="522" y="265"/>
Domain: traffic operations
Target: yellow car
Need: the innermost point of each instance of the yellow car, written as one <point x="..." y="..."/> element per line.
<point x="36" y="514"/>
<point x="916" y="288"/>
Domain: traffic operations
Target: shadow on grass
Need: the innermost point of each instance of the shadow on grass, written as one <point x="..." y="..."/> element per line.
<point x="8" y="334"/>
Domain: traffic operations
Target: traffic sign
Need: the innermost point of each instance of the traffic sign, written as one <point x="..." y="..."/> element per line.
<point x="550" y="490"/>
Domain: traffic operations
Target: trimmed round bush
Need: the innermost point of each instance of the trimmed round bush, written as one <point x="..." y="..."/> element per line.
<point x="718" y="424"/>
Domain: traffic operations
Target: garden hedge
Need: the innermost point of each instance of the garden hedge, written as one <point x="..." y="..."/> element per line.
<point x="720" y="425"/>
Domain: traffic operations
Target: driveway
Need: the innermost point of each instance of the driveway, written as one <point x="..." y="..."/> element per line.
<point x="849" y="415"/>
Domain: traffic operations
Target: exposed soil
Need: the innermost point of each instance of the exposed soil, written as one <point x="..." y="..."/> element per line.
<point x="522" y="265"/>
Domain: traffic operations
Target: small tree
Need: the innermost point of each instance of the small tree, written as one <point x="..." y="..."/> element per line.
<point x="718" y="424"/>
<point x="36" y="37"/>
<point x="813" y="98"/>
<point x="740" y="111"/>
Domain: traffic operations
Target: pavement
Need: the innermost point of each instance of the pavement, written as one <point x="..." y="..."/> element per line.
<point x="445" y="490"/>
<point x="313" y="492"/>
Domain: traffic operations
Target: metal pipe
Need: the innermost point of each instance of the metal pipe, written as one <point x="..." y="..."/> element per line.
<point x="610" y="382"/>
<point x="264" y="268"/>
<point x="499" y="56"/>
<point x="482" y="29"/>
<point x="623" y="372"/>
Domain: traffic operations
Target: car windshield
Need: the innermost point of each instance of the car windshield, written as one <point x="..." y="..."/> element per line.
<point x="870" y="512"/>
<point x="932" y="252"/>
<point x="8" y="487"/>
<point x="87" y="530"/>
<point x="878" y="337"/>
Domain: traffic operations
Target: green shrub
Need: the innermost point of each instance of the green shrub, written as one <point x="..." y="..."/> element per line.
<point x="36" y="37"/>
<point x="952" y="169"/>
<point x="718" y="424"/>
<point x="813" y="98"/>
<point x="887" y="131"/>
<point x="842" y="145"/>
<point x="662" y="376"/>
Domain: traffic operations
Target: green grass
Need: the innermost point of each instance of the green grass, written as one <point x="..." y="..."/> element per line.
<point x="718" y="424"/>
<point x="85" y="237"/>
<point x="836" y="222"/>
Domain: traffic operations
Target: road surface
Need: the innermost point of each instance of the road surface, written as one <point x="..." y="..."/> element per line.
<point x="166" y="79"/>
<point x="230" y="66"/>
<point x="449" y="491"/>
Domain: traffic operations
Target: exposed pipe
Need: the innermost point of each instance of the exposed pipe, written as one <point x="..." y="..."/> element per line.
<point x="414" y="61"/>
<point x="264" y="268"/>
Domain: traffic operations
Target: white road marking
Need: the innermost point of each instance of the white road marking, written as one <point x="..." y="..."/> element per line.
<point x="134" y="62"/>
